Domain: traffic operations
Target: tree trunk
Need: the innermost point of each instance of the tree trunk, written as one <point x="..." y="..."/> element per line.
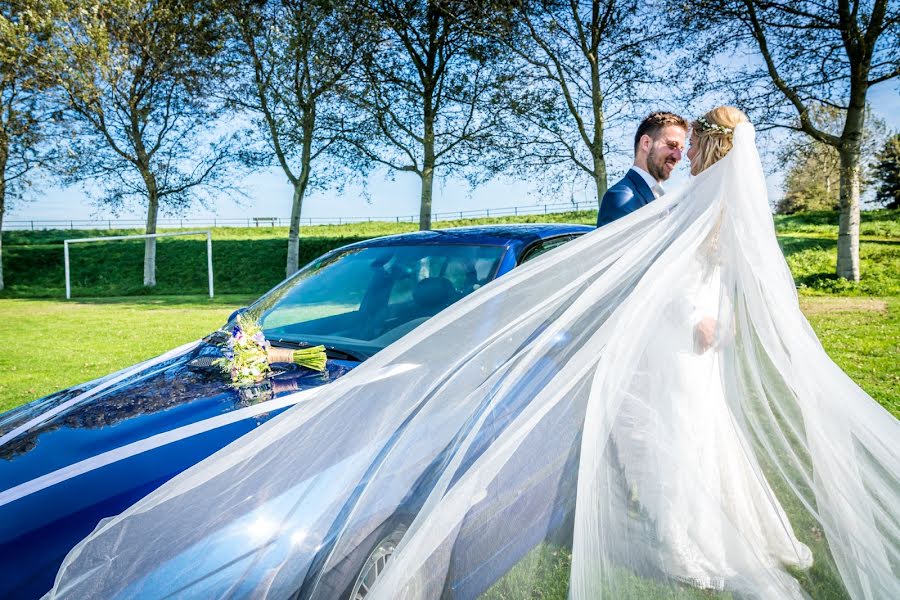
<point x="2" y="210"/>
<point x="599" y="176"/>
<point x="293" y="250"/>
<point x="425" y="204"/>
<point x="150" y="243"/>
<point x="427" y="170"/>
<point x="597" y="104"/>
<point x="3" y="158"/>
<point x="300" y="186"/>
<point x="848" y="230"/>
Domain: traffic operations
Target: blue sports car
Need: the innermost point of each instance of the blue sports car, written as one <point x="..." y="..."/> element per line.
<point x="88" y="452"/>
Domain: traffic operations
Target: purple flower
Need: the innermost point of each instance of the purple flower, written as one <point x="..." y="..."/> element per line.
<point x="228" y="354"/>
<point x="236" y="331"/>
<point x="260" y="338"/>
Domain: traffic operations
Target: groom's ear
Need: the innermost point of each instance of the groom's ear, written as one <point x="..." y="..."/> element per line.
<point x="645" y="142"/>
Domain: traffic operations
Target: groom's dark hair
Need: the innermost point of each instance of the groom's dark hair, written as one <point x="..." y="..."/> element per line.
<point x="654" y="122"/>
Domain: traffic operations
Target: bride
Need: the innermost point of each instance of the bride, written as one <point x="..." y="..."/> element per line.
<point x="643" y="412"/>
<point x="703" y="536"/>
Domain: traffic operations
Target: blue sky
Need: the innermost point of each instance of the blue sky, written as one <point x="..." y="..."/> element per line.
<point x="269" y="194"/>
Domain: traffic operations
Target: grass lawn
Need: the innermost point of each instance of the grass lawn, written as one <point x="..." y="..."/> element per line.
<point x="862" y="335"/>
<point x="50" y="344"/>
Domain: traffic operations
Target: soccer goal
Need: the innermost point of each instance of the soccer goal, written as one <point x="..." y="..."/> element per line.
<point x="207" y="233"/>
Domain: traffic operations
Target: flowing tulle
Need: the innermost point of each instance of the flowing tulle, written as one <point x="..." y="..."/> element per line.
<point x="563" y="431"/>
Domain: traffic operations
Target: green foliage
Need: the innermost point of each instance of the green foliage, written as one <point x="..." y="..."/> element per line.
<point x="139" y="76"/>
<point x="26" y="111"/>
<point x="812" y="181"/>
<point x="142" y="80"/>
<point x="886" y="171"/>
<point x="541" y="574"/>
<point x="813" y="178"/>
<point x="25" y="29"/>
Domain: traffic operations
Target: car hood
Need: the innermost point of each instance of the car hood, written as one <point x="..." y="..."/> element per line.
<point x="152" y="398"/>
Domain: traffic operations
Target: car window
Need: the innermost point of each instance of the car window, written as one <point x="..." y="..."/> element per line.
<point x="367" y="297"/>
<point x="333" y="287"/>
<point x="546" y="246"/>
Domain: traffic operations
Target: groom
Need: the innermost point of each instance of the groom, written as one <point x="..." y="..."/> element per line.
<point x="658" y="145"/>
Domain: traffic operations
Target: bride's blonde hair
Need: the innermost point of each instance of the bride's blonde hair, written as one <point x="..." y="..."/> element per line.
<point x="715" y="131"/>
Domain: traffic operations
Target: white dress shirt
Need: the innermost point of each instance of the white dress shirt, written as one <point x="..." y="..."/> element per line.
<point x="652" y="183"/>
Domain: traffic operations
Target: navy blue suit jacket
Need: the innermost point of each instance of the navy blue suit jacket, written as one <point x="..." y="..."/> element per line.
<point x="628" y="195"/>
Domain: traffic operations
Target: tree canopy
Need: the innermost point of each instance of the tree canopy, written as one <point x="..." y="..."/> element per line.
<point x="139" y="78"/>
<point x="886" y="172"/>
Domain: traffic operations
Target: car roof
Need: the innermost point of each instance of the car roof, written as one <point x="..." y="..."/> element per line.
<point x="513" y="234"/>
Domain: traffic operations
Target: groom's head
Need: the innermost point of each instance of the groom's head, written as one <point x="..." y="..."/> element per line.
<point x="659" y="143"/>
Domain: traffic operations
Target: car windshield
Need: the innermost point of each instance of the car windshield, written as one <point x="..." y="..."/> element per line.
<point x="360" y="300"/>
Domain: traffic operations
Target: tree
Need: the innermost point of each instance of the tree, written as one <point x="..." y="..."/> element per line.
<point x="811" y="182"/>
<point x="429" y="96"/>
<point x="813" y="168"/>
<point x="810" y="53"/>
<point x="887" y="172"/>
<point x="297" y="54"/>
<point x="582" y="58"/>
<point x="25" y="113"/>
<point x="138" y="76"/>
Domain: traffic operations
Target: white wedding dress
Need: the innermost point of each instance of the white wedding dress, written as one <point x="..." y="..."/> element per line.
<point x="558" y="432"/>
<point x="698" y="443"/>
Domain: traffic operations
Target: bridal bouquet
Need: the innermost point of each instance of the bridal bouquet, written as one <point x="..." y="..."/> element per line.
<point x="249" y="354"/>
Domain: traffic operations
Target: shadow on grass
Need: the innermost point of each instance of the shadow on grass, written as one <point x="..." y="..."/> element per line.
<point x="793" y="244"/>
<point x="192" y="300"/>
<point x="886" y="222"/>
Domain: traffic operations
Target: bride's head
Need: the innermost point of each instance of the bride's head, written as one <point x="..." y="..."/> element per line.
<point x="712" y="136"/>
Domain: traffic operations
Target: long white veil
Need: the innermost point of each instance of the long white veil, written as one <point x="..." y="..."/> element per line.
<point x="565" y="430"/>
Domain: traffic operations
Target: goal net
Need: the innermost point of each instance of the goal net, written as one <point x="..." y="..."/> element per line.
<point x="207" y="233"/>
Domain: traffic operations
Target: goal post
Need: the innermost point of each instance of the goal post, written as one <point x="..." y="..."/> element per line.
<point x="207" y="233"/>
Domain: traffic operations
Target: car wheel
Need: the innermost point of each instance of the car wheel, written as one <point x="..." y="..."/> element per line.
<point x="375" y="563"/>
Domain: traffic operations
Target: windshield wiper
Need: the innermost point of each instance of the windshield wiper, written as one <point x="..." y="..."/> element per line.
<point x="331" y="351"/>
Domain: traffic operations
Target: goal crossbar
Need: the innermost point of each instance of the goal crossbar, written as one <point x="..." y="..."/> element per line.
<point x="207" y="233"/>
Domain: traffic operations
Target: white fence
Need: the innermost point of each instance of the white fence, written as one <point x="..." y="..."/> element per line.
<point x="262" y="221"/>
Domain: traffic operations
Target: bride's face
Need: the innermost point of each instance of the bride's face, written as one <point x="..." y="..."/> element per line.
<point x="694" y="146"/>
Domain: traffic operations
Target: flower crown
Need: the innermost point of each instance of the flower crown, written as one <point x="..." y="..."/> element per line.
<point x="707" y="126"/>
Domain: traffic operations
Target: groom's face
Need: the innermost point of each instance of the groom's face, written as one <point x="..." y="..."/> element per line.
<point x="665" y="152"/>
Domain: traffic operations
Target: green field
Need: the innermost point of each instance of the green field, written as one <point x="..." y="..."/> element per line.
<point x="248" y="261"/>
<point x="50" y="344"/>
